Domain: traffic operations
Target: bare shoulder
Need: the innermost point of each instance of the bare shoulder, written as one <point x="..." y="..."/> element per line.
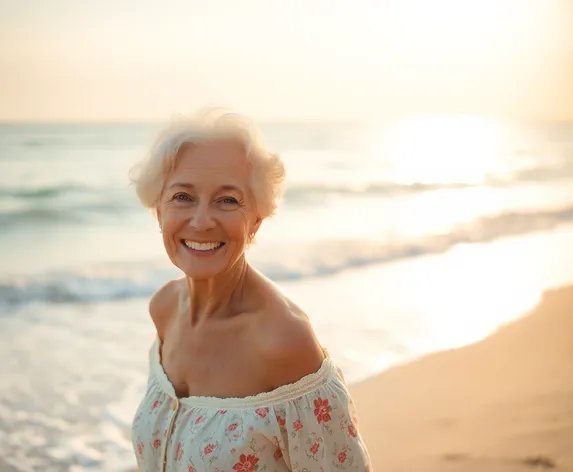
<point x="288" y="344"/>
<point x="164" y="303"/>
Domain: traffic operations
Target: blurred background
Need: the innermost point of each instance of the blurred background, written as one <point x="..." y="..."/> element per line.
<point x="429" y="154"/>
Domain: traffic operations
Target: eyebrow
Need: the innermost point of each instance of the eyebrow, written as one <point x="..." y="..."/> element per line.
<point x="192" y="187"/>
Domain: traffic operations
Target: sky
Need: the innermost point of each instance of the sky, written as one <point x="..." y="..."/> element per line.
<point x="144" y="60"/>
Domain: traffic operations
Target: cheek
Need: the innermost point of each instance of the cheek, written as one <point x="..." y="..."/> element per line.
<point x="171" y="218"/>
<point x="237" y="225"/>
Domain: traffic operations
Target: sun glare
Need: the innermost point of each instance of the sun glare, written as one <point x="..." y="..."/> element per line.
<point x="444" y="149"/>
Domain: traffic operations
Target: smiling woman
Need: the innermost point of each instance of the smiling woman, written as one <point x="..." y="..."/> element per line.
<point x="237" y="378"/>
<point x="207" y="208"/>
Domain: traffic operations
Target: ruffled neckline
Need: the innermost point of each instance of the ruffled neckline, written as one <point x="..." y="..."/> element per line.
<point x="306" y="385"/>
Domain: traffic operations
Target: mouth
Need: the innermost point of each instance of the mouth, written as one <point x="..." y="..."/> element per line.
<point x="202" y="248"/>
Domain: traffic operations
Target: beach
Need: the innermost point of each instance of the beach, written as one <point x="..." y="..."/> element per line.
<point x="425" y="227"/>
<point x="392" y="256"/>
<point x="503" y="404"/>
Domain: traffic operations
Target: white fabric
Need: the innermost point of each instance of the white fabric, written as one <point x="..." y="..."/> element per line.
<point x="305" y="426"/>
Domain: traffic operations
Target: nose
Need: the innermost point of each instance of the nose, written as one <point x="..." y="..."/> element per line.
<point x="202" y="218"/>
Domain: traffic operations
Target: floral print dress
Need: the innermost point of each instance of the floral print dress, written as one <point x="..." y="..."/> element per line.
<point x="307" y="426"/>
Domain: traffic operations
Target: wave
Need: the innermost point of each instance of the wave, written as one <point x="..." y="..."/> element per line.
<point x="75" y="214"/>
<point x="305" y="192"/>
<point x="56" y="204"/>
<point x="39" y="216"/>
<point x="47" y="192"/>
<point x="115" y="281"/>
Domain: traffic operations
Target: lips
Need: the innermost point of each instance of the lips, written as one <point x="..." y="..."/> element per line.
<point x="203" y="246"/>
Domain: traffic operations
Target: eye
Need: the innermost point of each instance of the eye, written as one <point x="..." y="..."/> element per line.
<point x="182" y="197"/>
<point x="229" y="200"/>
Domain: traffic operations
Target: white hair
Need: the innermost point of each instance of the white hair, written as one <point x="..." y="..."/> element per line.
<point x="267" y="169"/>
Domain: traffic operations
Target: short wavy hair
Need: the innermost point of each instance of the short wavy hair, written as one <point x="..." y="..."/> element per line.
<point x="267" y="169"/>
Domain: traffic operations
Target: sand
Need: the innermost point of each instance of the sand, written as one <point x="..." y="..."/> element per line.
<point x="503" y="404"/>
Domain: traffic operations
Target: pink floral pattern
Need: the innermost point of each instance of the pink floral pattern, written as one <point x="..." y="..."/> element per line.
<point x="246" y="463"/>
<point x="311" y="429"/>
<point x="322" y="410"/>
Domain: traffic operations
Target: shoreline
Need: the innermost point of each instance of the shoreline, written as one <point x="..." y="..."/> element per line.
<point x="504" y="403"/>
<point x="391" y="314"/>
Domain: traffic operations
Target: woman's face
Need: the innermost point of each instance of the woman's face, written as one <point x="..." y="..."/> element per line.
<point x="206" y="210"/>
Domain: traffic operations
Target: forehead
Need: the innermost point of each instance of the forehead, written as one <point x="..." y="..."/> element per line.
<point x="218" y="162"/>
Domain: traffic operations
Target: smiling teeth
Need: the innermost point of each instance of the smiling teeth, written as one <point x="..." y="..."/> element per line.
<point x="202" y="246"/>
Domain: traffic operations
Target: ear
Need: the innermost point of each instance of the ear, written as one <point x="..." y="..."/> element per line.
<point x="257" y="225"/>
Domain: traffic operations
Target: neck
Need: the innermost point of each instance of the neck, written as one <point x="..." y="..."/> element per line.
<point x="219" y="296"/>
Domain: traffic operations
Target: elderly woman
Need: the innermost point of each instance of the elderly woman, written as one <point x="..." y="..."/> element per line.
<point x="238" y="380"/>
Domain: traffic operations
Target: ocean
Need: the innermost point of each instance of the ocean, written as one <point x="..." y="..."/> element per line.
<point x="398" y="239"/>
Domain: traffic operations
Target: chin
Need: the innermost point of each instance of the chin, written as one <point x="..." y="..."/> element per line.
<point x="194" y="272"/>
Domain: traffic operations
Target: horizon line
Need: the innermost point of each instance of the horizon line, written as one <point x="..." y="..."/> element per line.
<point x="287" y="120"/>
